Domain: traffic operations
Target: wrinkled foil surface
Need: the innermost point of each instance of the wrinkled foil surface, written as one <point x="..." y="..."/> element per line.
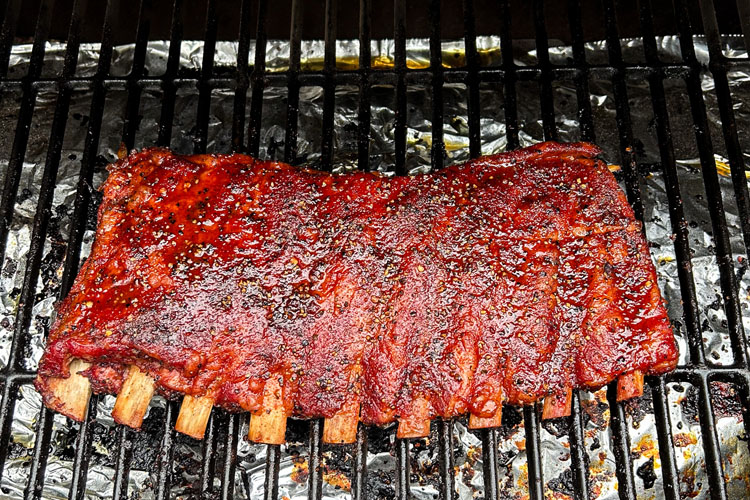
<point x="338" y="461"/>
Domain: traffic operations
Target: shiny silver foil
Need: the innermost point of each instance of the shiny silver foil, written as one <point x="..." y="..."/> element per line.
<point x="338" y="461"/>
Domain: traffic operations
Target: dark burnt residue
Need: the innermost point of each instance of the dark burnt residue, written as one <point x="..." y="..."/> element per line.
<point x="727" y="401"/>
<point x="380" y="485"/>
<point x="689" y="404"/>
<point x="595" y="411"/>
<point x="646" y="472"/>
<point x="512" y="418"/>
<point x="145" y="454"/>
<point x="379" y="439"/>
<point x="638" y="408"/>
<point x="558" y="427"/>
<point x="425" y="466"/>
<point x="563" y="483"/>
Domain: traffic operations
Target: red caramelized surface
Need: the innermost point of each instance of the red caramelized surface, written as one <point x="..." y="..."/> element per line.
<point x="502" y="280"/>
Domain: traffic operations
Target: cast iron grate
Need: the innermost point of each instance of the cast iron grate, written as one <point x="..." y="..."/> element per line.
<point x="249" y="83"/>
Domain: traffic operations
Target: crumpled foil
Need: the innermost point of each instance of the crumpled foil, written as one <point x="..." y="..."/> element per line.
<point x="338" y="461"/>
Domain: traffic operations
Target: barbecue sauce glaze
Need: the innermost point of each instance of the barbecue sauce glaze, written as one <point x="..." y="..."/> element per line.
<point x="501" y="280"/>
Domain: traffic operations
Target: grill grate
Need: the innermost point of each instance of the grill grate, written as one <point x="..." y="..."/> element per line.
<point x="223" y="433"/>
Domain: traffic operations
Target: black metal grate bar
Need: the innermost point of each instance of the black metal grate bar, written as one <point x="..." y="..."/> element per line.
<point x="315" y="478"/>
<point x="122" y="463"/>
<point x="351" y="77"/>
<point x="743" y="9"/>
<point x="490" y="464"/>
<point x="204" y="88"/>
<point x="7" y="32"/>
<point x="208" y="464"/>
<point x="663" y="428"/>
<point x="359" y="475"/>
<point x="445" y="457"/>
<point x="166" y="447"/>
<point x="83" y="452"/>
<point x="533" y="452"/>
<point x="399" y="55"/>
<point x="624" y="122"/>
<point x="329" y="85"/>
<point x="545" y="80"/>
<point x="583" y="97"/>
<point x="509" y="77"/>
<point x="168" y="82"/>
<point x="256" y="103"/>
<point x="132" y="108"/>
<point x="472" y="79"/>
<point x="711" y="448"/>
<point x="364" y="113"/>
<point x="403" y="469"/>
<point x="273" y="458"/>
<point x="437" y="150"/>
<point x="578" y="457"/>
<point x="620" y="445"/>
<point x="293" y="84"/>
<point x="243" y="80"/>
<point x="230" y="457"/>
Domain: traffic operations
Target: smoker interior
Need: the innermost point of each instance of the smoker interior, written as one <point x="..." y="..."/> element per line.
<point x="214" y="471"/>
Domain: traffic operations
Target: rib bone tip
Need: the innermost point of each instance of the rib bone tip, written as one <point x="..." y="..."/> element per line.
<point x="134" y="397"/>
<point x="557" y="405"/>
<point x="477" y="422"/>
<point x="630" y="385"/>
<point x="71" y="395"/>
<point x="268" y="427"/>
<point x="194" y="415"/>
<point x="342" y="427"/>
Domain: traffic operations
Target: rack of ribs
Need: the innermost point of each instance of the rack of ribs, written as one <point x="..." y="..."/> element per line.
<point x="283" y="291"/>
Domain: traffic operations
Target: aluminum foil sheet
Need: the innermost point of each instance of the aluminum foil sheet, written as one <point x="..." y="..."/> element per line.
<point x="338" y="461"/>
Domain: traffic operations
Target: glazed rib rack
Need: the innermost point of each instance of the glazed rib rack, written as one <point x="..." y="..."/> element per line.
<point x="249" y="84"/>
<point x="509" y="279"/>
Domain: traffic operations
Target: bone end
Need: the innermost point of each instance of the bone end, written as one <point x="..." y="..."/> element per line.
<point x="342" y="427"/>
<point x="477" y="422"/>
<point x="416" y="424"/>
<point x="134" y="397"/>
<point x="194" y="415"/>
<point x="268" y="425"/>
<point x="630" y="385"/>
<point x="70" y="396"/>
<point x="557" y="405"/>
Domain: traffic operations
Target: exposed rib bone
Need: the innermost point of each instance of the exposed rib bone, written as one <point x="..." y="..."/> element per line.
<point x="342" y="427"/>
<point x="557" y="405"/>
<point x="630" y="385"/>
<point x="71" y="395"/>
<point x="417" y="424"/>
<point x="476" y="422"/>
<point x="268" y="425"/>
<point x="194" y="415"/>
<point x="132" y="401"/>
